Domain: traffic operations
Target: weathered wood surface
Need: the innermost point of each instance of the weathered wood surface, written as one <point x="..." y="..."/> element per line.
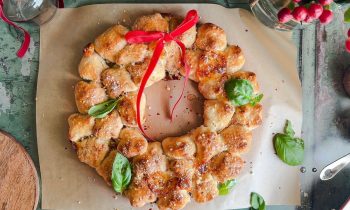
<point x="19" y="183"/>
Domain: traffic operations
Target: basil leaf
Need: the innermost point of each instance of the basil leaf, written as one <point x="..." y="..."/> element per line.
<point x="103" y="109"/>
<point x="347" y="16"/>
<point x="121" y="173"/>
<point x="256" y="99"/>
<point x="288" y="129"/>
<point x="288" y="148"/>
<point x="225" y="188"/>
<point x="257" y="201"/>
<point x="239" y="91"/>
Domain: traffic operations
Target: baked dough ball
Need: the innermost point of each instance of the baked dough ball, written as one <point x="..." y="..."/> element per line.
<point x="182" y="167"/>
<point x="105" y="169"/>
<point x="150" y="162"/>
<point x="131" y="142"/>
<point x="217" y="114"/>
<point x="139" y="193"/>
<point x="91" y="64"/>
<point x="247" y="75"/>
<point x="80" y="126"/>
<point x="211" y="37"/>
<point x="117" y="81"/>
<point x="109" y="126"/>
<point x="173" y="58"/>
<point x="214" y="87"/>
<point x="192" y="60"/>
<point x="179" y="147"/>
<point x="138" y="70"/>
<point x="110" y="42"/>
<point x="238" y="139"/>
<point x="204" y="187"/>
<point x="92" y="151"/>
<point x="235" y="58"/>
<point x="127" y="108"/>
<point x="88" y="94"/>
<point x="158" y="182"/>
<point x="174" y="200"/>
<point x="248" y="116"/>
<point x="132" y="53"/>
<point x="226" y="166"/>
<point x="154" y="22"/>
<point x="211" y="65"/>
<point x="188" y="37"/>
<point x="208" y="144"/>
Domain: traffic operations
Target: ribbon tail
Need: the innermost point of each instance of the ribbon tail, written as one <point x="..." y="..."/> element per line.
<point x="153" y="62"/>
<point x="187" y="69"/>
<point x="25" y="44"/>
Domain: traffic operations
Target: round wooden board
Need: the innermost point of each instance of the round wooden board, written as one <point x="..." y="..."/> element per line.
<point x="19" y="185"/>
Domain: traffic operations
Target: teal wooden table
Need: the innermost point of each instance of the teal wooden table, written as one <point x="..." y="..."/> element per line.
<point x="321" y="63"/>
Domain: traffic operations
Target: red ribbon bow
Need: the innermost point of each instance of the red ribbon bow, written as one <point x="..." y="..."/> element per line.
<point x="25" y="44"/>
<point x="133" y="37"/>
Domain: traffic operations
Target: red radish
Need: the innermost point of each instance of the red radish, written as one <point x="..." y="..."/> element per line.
<point x="284" y="15"/>
<point x="325" y="2"/>
<point x="347" y="44"/>
<point x="308" y="19"/>
<point x="299" y="13"/>
<point x="297" y="1"/>
<point x="326" y="17"/>
<point x="315" y="10"/>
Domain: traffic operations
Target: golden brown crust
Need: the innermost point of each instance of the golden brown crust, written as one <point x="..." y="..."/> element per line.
<point x="213" y="88"/>
<point x="110" y="42"/>
<point x="208" y="144"/>
<point x="248" y="116"/>
<point x="179" y="147"/>
<point x="211" y="65"/>
<point x="80" y="126"/>
<point x="88" y="95"/>
<point x="204" y="187"/>
<point x="154" y="22"/>
<point x="238" y="139"/>
<point x="90" y="67"/>
<point x="173" y="58"/>
<point x="132" y="53"/>
<point x="92" y="151"/>
<point x="117" y="81"/>
<point x="182" y="167"/>
<point x="174" y="200"/>
<point x="109" y="126"/>
<point x="127" y="108"/>
<point x="211" y="37"/>
<point x="217" y="114"/>
<point x="150" y="162"/>
<point x="139" y="194"/>
<point x="235" y="58"/>
<point x="226" y="166"/>
<point x="138" y="70"/>
<point x="105" y="168"/>
<point x="131" y="142"/>
<point x="192" y="60"/>
<point x="88" y="50"/>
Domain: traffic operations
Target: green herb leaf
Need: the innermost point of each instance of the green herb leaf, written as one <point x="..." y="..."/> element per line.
<point x="347" y="16"/>
<point x="288" y="129"/>
<point x="288" y="148"/>
<point x="225" y="188"/>
<point x="103" y="109"/>
<point x="256" y="99"/>
<point x="257" y="201"/>
<point x="121" y="173"/>
<point x="239" y="91"/>
<point x="291" y="6"/>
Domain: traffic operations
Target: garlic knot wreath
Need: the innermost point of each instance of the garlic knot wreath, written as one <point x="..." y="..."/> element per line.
<point x="172" y="171"/>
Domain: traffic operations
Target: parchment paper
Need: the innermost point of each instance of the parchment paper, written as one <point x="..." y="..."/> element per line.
<point x="69" y="184"/>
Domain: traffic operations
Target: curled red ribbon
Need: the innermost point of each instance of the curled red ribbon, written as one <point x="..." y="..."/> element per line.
<point x="25" y="44"/>
<point x="143" y="37"/>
